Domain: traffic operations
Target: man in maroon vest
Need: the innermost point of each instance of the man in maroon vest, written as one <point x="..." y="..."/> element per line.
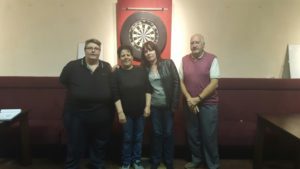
<point x="199" y="75"/>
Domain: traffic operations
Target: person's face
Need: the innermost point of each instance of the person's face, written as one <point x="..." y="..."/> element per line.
<point x="126" y="58"/>
<point x="92" y="51"/>
<point x="196" y="45"/>
<point x="150" y="55"/>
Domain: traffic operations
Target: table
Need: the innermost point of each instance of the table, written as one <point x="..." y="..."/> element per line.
<point x="22" y="118"/>
<point x="286" y="125"/>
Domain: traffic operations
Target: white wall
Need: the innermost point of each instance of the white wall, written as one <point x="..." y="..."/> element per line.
<point x="250" y="37"/>
<point x="38" y="37"/>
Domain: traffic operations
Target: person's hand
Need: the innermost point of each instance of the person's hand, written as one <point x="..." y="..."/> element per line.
<point x="114" y="68"/>
<point x="194" y="100"/>
<point x="147" y="111"/>
<point x="192" y="104"/>
<point x="122" y="118"/>
<point x="195" y="109"/>
<point x="189" y="102"/>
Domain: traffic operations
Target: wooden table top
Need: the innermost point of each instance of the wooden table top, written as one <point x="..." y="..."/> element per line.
<point x="287" y="122"/>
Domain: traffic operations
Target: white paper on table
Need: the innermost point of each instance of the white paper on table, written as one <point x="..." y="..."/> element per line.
<point x="9" y="114"/>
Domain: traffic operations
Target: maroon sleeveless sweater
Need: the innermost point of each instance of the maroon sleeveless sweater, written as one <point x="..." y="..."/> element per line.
<point x="196" y="75"/>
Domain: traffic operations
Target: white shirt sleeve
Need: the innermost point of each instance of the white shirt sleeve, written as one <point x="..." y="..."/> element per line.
<point x="214" y="69"/>
<point x="180" y="71"/>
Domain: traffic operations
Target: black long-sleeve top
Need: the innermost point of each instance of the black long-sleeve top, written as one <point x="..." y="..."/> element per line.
<point x="131" y="86"/>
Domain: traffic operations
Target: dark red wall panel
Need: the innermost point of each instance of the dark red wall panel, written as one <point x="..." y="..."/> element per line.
<point x="240" y="101"/>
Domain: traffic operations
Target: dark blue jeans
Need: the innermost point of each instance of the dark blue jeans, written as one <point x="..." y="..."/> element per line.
<point x="202" y="135"/>
<point x="82" y="134"/>
<point x="133" y="131"/>
<point x="162" y="136"/>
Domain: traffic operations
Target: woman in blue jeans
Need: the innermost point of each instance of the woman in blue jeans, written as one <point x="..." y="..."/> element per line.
<point x="132" y="96"/>
<point x="164" y="79"/>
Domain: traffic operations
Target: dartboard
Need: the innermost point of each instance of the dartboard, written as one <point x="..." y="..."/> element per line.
<point x="141" y="32"/>
<point x="141" y="27"/>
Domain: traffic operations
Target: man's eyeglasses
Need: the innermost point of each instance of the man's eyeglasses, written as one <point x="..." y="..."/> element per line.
<point x="91" y="49"/>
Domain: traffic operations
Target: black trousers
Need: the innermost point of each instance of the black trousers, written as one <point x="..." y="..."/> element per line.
<point x="86" y="131"/>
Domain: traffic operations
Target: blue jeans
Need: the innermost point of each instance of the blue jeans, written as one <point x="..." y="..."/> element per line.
<point x="163" y="137"/>
<point x="133" y="131"/>
<point x="202" y="135"/>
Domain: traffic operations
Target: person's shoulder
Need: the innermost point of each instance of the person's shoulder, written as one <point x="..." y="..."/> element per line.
<point x="73" y="63"/>
<point x="104" y="63"/>
<point x="166" y="61"/>
<point x="186" y="56"/>
<point x="210" y="54"/>
<point x="139" y="67"/>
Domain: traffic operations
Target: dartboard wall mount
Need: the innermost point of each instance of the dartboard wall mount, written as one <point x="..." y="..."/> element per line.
<point x="141" y="27"/>
<point x="144" y="20"/>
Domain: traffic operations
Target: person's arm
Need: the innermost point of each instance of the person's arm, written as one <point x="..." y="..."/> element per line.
<point x="208" y="90"/>
<point x="148" y="89"/>
<point x="116" y="97"/>
<point x="184" y="91"/>
<point x="121" y="115"/>
<point x="65" y="75"/>
<point x="191" y="104"/>
<point x="147" y="106"/>
<point x="213" y="85"/>
<point x="182" y="85"/>
<point x="116" y="67"/>
<point x="176" y="86"/>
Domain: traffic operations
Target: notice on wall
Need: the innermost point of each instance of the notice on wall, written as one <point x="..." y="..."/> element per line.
<point x="80" y="50"/>
<point x="294" y="60"/>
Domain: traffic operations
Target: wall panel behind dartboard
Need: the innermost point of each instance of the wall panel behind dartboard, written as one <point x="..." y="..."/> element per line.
<point x="139" y="21"/>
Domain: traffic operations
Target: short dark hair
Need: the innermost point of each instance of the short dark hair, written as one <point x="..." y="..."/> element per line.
<point x="149" y="46"/>
<point x="96" y="41"/>
<point x="124" y="47"/>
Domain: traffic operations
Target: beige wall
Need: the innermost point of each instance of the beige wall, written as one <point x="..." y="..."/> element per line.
<point x="250" y="37"/>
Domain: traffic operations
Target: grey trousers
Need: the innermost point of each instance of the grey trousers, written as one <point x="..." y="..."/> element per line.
<point x="202" y="135"/>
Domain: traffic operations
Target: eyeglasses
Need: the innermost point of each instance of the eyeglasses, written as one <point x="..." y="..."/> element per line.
<point x="91" y="49"/>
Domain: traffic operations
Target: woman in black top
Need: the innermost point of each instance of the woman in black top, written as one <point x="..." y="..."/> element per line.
<point x="132" y="98"/>
<point x="164" y="80"/>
